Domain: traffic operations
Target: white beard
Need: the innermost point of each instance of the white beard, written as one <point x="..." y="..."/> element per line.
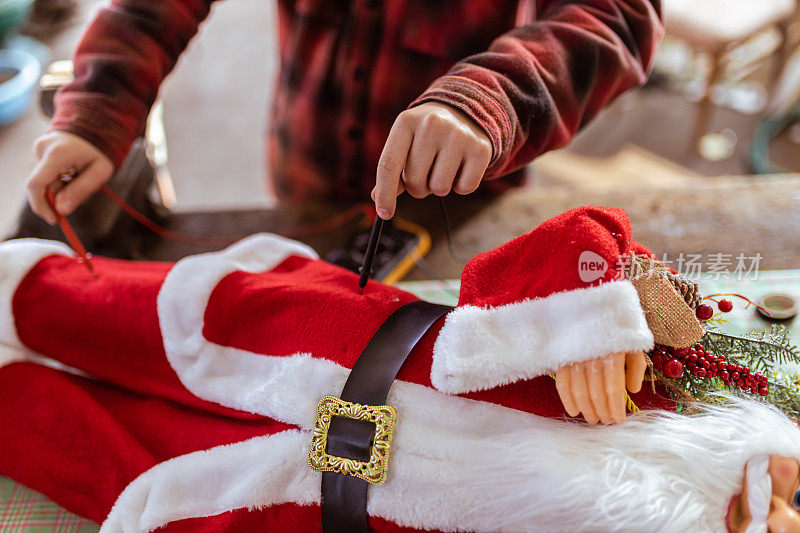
<point x="759" y="493"/>
<point x="658" y="471"/>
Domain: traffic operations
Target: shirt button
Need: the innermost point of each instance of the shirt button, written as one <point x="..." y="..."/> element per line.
<point x="354" y="133"/>
<point x="360" y="72"/>
<point x="372" y="4"/>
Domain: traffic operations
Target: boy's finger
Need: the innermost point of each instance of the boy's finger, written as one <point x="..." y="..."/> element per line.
<point x="400" y="189"/>
<point x="421" y="158"/>
<point x="636" y="364"/>
<point x="43" y="175"/>
<point x="390" y="165"/>
<point x="79" y="189"/>
<point x="445" y="170"/>
<point x="472" y="173"/>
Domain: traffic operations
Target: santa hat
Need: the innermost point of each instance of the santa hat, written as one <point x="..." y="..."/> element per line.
<point x="554" y="296"/>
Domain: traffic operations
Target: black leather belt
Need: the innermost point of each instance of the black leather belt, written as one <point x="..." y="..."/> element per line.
<point x="358" y="424"/>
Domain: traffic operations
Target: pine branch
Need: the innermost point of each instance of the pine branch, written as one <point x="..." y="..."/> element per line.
<point x="766" y="351"/>
<point x="765" y="348"/>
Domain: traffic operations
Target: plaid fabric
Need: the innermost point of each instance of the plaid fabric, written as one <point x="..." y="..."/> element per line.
<point x="25" y="510"/>
<point x="529" y="73"/>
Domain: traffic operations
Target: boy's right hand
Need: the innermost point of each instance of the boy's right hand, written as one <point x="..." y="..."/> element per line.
<point x="60" y="153"/>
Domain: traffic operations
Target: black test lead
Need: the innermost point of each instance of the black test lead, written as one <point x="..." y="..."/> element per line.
<point x="369" y="256"/>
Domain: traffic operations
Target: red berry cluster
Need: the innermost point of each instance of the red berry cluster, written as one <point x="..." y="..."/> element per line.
<point x="705" y="311"/>
<point x="699" y="362"/>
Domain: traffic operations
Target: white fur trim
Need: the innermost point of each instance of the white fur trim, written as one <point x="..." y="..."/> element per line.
<point x="483" y="348"/>
<point x="206" y="368"/>
<point x="259" y="472"/>
<point x="759" y="493"/>
<point x="525" y="476"/>
<point x="10" y="355"/>
<point x="433" y="431"/>
<point x="17" y="258"/>
<point x="433" y="483"/>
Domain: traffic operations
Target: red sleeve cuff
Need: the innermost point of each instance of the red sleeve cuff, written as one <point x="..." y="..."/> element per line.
<point x="93" y="125"/>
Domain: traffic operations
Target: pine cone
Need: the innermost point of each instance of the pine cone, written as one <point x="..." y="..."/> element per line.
<point x="687" y="289"/>
<point x="642" y="265"/>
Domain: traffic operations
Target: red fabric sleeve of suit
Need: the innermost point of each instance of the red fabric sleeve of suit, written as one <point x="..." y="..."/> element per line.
<point x="538" y="84"/>
<point x="126" y="52"/>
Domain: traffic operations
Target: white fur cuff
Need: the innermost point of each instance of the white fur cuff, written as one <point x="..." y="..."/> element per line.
<point x="17" y="258"/>
<point x="483" y="348"/>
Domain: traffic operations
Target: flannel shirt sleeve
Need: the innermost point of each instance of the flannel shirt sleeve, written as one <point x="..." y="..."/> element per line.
<point x="538" y="84"/>
<point x="120" y="62"/>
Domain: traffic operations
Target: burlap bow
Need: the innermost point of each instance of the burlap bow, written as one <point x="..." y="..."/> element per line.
<point x="672" y="321"/>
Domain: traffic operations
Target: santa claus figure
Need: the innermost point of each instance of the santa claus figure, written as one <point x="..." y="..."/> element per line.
<point x="188" y="396"/>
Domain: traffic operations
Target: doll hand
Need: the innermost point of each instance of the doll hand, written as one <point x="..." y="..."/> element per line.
<point x="58" y="153"/>
<point x="596" y="388"/>
<point x="432" y="149"/>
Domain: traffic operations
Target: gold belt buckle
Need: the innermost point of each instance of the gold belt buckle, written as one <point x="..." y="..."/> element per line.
<point x="372" y="471"/>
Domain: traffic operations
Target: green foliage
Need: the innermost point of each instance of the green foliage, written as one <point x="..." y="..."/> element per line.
<point x="768" y="352"/>
<point x="765" y="351"/>
<point x="762" y="350"/>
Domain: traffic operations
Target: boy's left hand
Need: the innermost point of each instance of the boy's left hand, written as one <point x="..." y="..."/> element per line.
<point x="431" y="149"/>
<point x="596" y="387"/>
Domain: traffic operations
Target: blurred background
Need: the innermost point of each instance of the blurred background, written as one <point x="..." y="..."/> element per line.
<point x="704" y="157"/>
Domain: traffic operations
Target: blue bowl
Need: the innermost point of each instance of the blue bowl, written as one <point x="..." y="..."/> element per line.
<point x="17" y="92"/>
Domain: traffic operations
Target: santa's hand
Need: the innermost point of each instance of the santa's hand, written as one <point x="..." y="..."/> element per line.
<point x="596" y="388"/>
<point x="432" y="149"/>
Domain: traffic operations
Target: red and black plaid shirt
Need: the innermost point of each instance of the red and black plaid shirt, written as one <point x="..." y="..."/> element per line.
<point x="529" y="73"/>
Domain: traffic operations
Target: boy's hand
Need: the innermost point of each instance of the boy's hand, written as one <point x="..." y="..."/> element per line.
<point x="57" y="154"/>
<point x="596" y="388"/>
<point x="432" y="149"/>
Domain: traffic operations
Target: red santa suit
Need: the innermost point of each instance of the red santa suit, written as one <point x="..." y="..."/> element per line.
<point x="183" y="395"/>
